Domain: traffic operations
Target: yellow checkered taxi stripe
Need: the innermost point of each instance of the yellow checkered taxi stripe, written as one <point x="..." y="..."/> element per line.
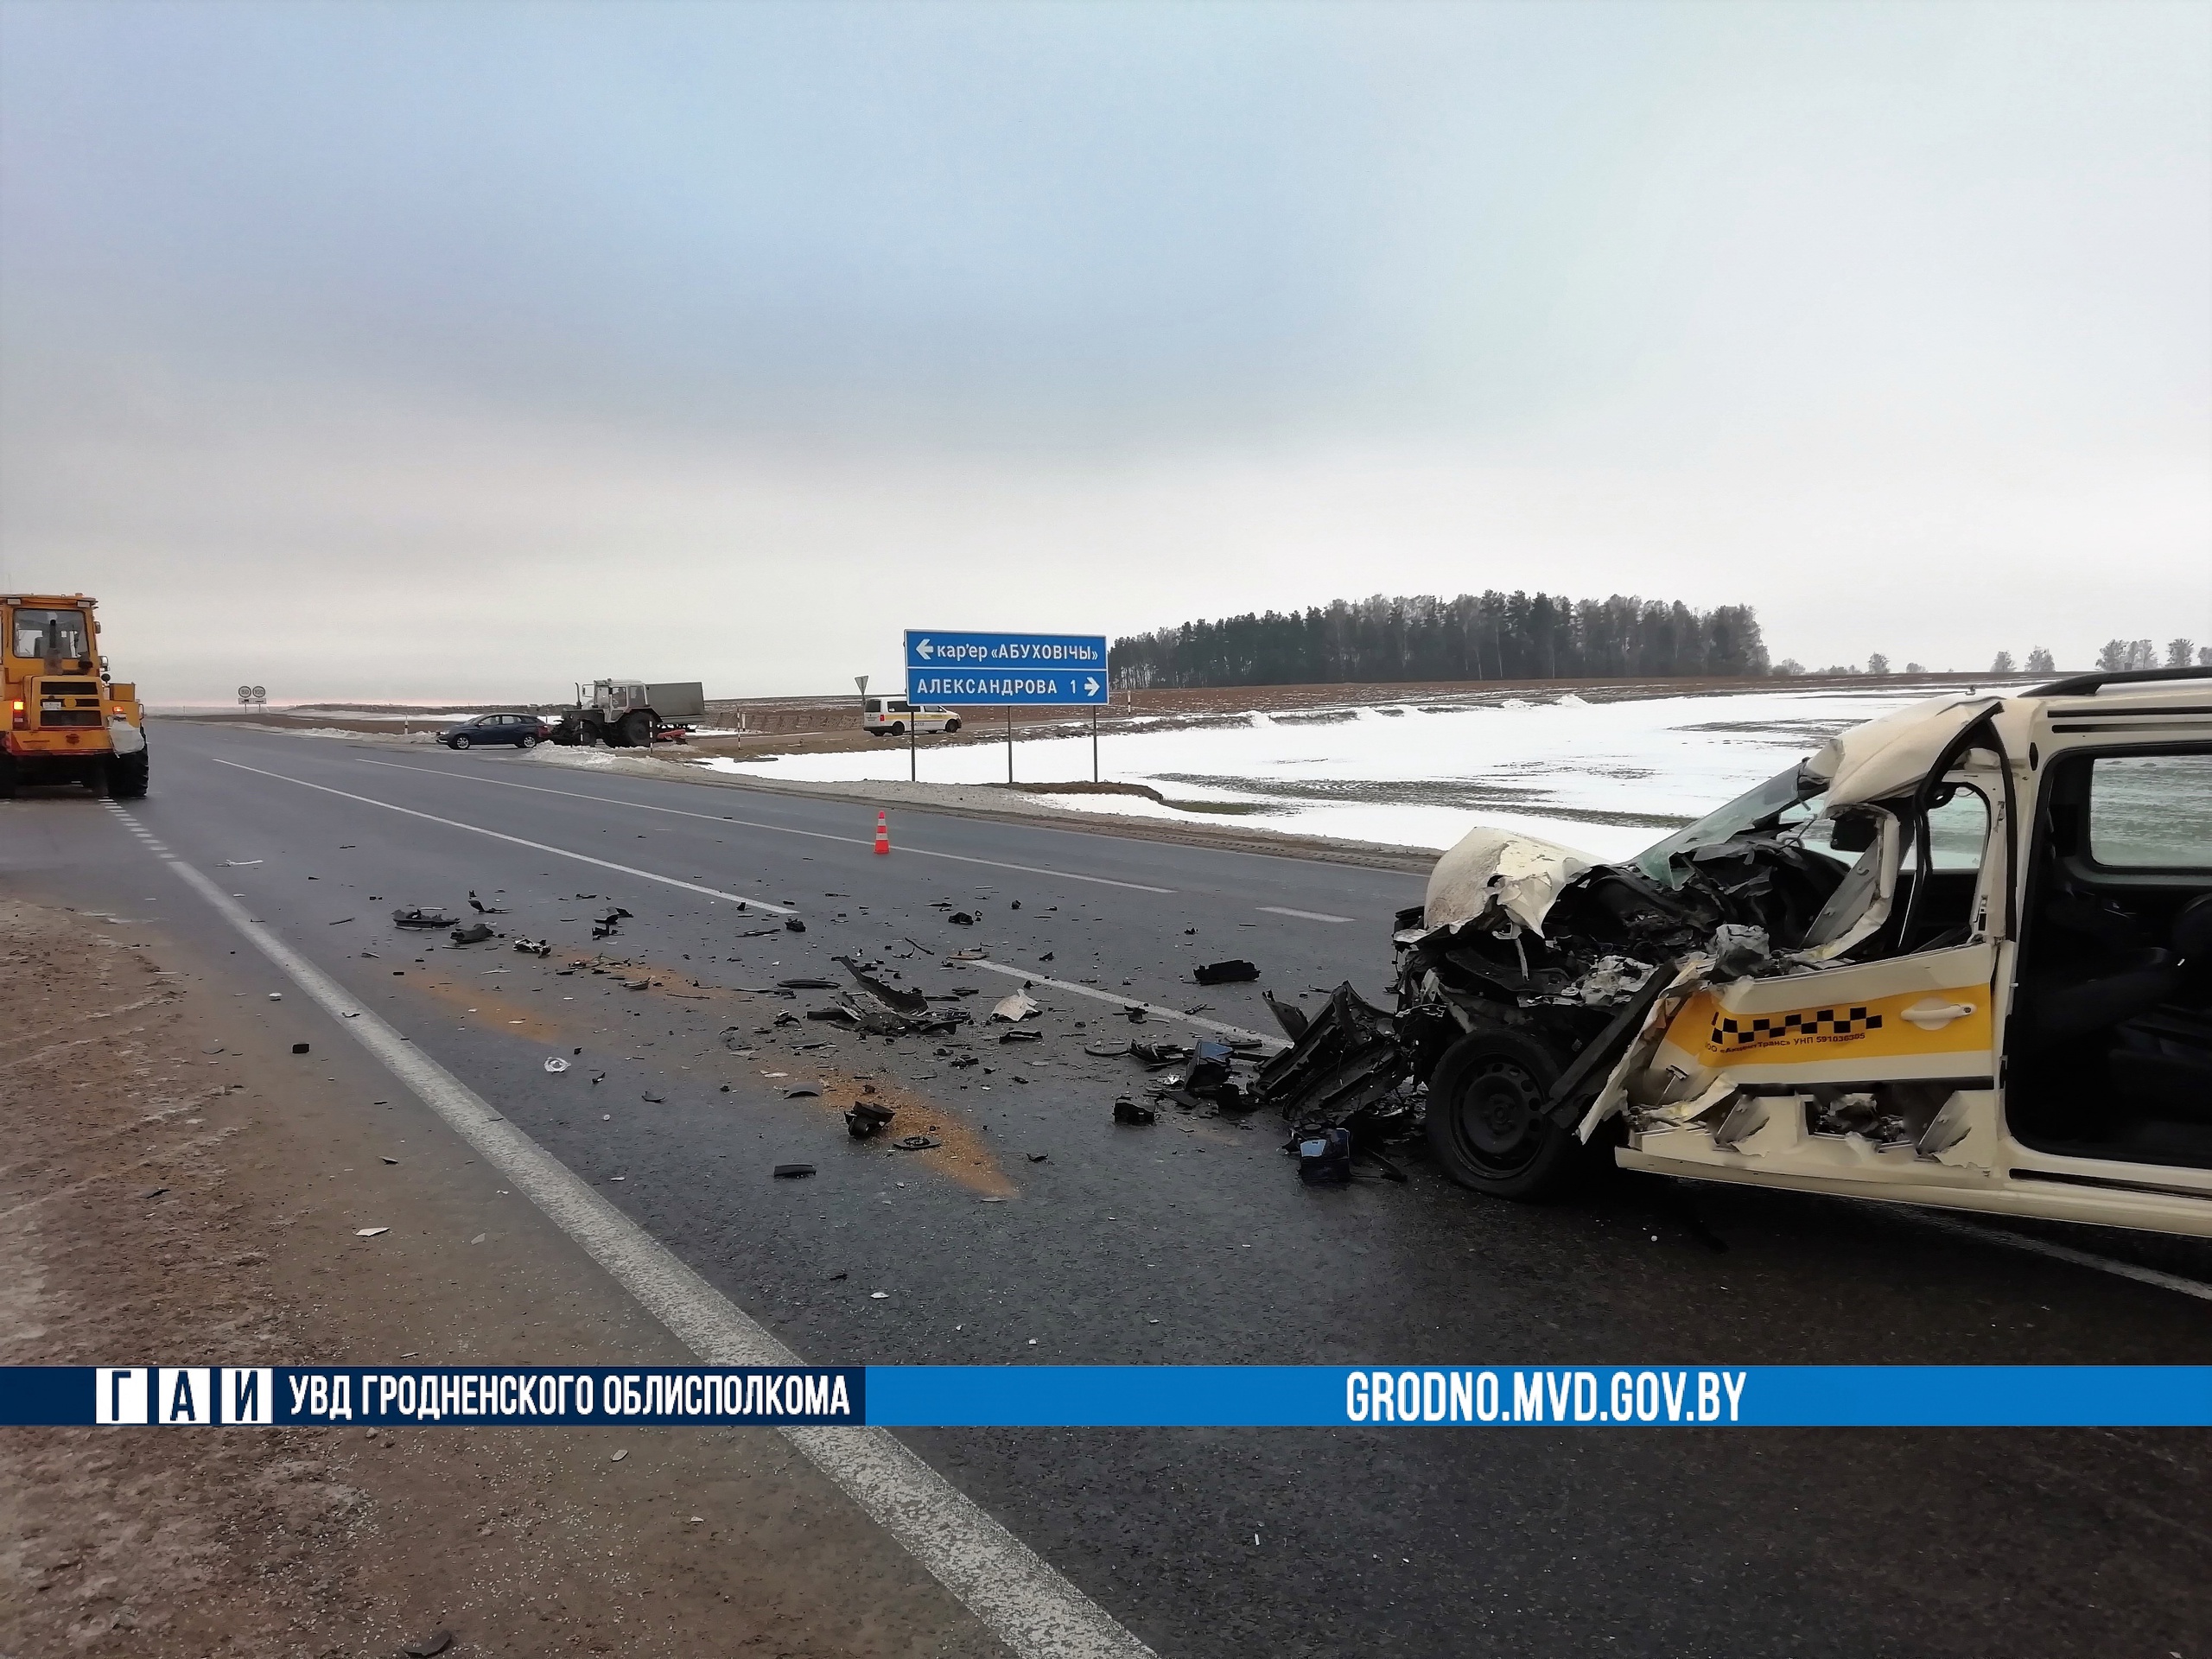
<point x="1715" y="1036"/>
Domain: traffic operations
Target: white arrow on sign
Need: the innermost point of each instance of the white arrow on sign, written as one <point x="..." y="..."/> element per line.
<point x="925" y="651"/>
<point x="1089" y="687"/>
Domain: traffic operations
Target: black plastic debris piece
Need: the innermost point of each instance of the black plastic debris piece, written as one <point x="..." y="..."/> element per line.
<point x="1022" y="1036"/>
<point x="960" y="1062"/>
<point x="794" y="1172"/>
<point x="1134" y="1014"/>
<point x="422" y="916"/>
<point x="340" y="922"/>
<point x="1106" y="1050"/>
<point x="961" y="918"/>
<point x="1039" y="1157"/>
<point x="1235" y="971"/>
<point x="757" y="933"/>
<point x="840" y="1014"/>
<point x="1047" y="956"/>
<point x="475" y="933"/>
<point x="1346" y="1070"/>
<point x="1017" y="904"/>
<point x="1289" y="1015"/>
<point x="431" y="1646"/>
<point x="867" y="1118"/>
<point x="917" y="1142"/>
<point x="793" y="925"/>
<point x="734" y="1037"/>
<point x="1156" y="1055"/>
<point x="808" y="984"/>
<point x="1324" y="1159"/>
<point x="480" y="907"/>
<point x="801" y="1091"/>
<point x="535" y="947"/>
<point x="786" y="1018"/>
<point x="658" y="1100"/>
<point x="1128" y="1111"/>
<point x="155" y="1193"/>
<point x="299" y="1048"/>
<point x="896" y="998"/>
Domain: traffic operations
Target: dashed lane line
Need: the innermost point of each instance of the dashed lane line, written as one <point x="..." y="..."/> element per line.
<point x="1123" y="1001"/>
<point x="1035" y="1611"/>
<point x="776" y="829"/>
<point x="534" y="846"/>
<point x="1302" y="915"/>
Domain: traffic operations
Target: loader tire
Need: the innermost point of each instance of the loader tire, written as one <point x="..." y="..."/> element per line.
<point x="637" y="731"/>
<point x="1486" y="1123"/>
<point x="127" y="775"/>
<point x="7" y="777"/>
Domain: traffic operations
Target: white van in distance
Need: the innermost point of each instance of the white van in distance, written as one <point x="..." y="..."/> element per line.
<point x="893" y="717"/>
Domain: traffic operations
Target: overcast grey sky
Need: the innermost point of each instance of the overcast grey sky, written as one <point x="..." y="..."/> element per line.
<point x="439" y="351"/>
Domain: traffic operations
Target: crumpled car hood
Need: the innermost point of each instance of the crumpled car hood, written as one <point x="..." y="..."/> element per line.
<point x="1523" y="873"/>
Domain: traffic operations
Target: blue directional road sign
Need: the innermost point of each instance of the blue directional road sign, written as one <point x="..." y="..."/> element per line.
<point x="964" y="669"/>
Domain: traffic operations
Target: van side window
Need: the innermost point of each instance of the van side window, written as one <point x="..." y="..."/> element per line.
<point x="2151" y="811"/>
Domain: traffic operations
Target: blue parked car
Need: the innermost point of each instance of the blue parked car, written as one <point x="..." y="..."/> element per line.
<point x="524" y="731"/>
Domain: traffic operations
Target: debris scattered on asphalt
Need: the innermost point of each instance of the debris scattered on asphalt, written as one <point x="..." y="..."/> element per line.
<point x="793" y="925"/>
<point x="555" y="1063"/>
<point x="1105" y="1050"/>
<point x="299" y="1048"/>
<point x="1031" y="1036"/>
<point x="1128" y="1111"/>
<point x="422" y="916"/>
<point x="475" y="933"/>
<point x="807" y="984"/>
<point x="961" y="918"/>
<point x="239" y="863"/>
<point x="1047" y="956"/>
<point x="535" y="947"/>
<point x="1289" y="1015"/>
<point x="340" y="922"/>
<point x="973" y="953"/>
<point x="480" y="907"/>
<point x="867" y="1119"/>
<point x="155" y="1193"/>
<point x="1016" y="905"/>
<point x="604" y="925"/>
<point x="879" y="1295"/>
<point x="801" y="1091"/>
<point x="211" y="1048"/>
<point x="794" y="1172"/>
<point x="1344" y="1070"/>
<point x="917" y="1142"/>
<point x="369" y="1232"/>
<point x="479" y="1238"/>
<point x="655" y="1100"/>
<point x="437" y="1640"/>
<point x="391" y="1161"/>
<point x="1015" y="1007"/>
<point x="1039" y="1157"/>
<point x="1235" y="971"/>
<point x="1134" y="1014"/>
<point x="276" y="997"/>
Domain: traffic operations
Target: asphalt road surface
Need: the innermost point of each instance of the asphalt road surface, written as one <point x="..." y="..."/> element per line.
<point x="1190" y="1242"/>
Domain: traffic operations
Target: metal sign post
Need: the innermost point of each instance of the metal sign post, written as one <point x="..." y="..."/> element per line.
<point x="1009" y="743"/>
<point x="1093" y="746"/>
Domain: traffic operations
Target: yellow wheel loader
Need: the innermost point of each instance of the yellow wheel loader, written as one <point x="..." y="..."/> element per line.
<point x="67" y="721"/>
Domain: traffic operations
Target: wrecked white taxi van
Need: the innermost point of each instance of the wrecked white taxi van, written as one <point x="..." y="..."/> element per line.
<point x="1960" y="956"/>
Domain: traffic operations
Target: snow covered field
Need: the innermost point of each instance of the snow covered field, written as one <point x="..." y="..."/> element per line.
<point x="1609" y="777"/>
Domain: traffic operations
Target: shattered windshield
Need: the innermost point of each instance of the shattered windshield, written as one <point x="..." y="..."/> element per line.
<point x="1763" y="806"/>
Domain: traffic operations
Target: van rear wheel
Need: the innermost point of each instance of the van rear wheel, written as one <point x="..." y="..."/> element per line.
<point x="951" y="725"/>
<point x="898" y="728"/>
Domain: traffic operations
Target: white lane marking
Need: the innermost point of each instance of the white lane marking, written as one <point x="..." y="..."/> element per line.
<point x="1302" y="915"/>
<point x="777" y="829"/>
<point x="1000" y="1580"/>
<point x="534" y="846"/>
<point x="1124" y="1002"/>
<point x="2067" y="1253"/>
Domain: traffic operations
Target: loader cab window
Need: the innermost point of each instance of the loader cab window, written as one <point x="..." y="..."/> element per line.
<point x="50" y="634"/>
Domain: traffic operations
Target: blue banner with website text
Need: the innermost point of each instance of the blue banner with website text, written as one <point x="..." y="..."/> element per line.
<point x="1134" y="1396"/>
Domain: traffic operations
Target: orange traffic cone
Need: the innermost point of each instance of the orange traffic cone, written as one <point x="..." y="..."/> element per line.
<point x="882" y="833"/>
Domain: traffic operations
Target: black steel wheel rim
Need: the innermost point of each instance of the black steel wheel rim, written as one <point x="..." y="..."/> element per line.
<point x="1496" y="1119"/>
